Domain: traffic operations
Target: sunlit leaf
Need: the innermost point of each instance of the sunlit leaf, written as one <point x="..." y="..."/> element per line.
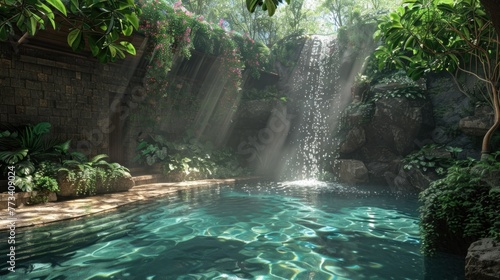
<point x="133" y="19"/>
<point x="58" y="5"/>
<point x="128" y="47"/>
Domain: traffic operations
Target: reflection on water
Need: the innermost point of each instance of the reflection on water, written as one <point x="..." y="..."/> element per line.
<point x="288" y="230"/>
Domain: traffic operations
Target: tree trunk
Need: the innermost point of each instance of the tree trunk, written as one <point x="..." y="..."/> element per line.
<point x="492" y="7"/>
<point x="485" y="149"/>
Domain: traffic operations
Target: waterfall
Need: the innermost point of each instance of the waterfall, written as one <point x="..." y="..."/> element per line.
<point x="314" y="101"/>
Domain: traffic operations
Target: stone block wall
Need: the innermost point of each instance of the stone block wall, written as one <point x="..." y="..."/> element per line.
<point x="73" y="92"/>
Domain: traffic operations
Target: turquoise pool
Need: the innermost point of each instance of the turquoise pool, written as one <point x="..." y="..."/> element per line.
<point x="268" y="230"/>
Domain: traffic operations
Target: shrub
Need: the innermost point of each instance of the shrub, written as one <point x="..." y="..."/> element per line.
<point x="461" y="208"/>
<point x="189" y="157"/>
<point x="28" y="149"/>
<point x="432" y="157"/>
<point x="86" y="174"/>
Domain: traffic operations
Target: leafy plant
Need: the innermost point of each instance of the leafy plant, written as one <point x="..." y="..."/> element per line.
<point x="26" y="148"/>
<point x="432" y="157"/>
<point x="266" y="5"/>
<point x="461" y="207"/>
<point x="151" y="153"/>
<point x="100" y="25"/>
<point x="408" y="93"/>
<point x="44" y="176"/>
<point x="425" y="37"/>
<point x="190" y="158"/>
<point x="86" y="174"/>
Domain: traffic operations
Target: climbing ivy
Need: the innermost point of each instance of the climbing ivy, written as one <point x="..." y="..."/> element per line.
<point x="462" y="207"/>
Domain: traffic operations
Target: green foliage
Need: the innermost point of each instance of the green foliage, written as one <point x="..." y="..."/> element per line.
<point x="266" y="5"/>
<point x="44" y="176"/>
<point x="151" y="153"/>
<point x="461" y="207"/>
<point x="86" y="174"/>
<point x="26" y="148"/>
<point x="423" y="36"/>
<point x="47" y="183"/>
<point x="432" y="158"/>
<point x="403" y="87"/>
<point x="406" y="92"/>
<point x="191" y="158"/>
<point x="287" y="50"/>
<point x="96" y="24"/>
<point x="175" y="32"/>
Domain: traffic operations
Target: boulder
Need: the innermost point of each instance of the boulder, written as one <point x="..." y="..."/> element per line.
<point x="396" y="124"/>
<point x="412" y="180"/>
<point x="379" y="170"/>
<point x="352" y="172"/>
<point x="355" y="139"/>
<point x="483" y="260"/>
<point x="478" y="124"/>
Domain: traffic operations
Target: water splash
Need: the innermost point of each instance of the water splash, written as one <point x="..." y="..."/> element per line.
<point x="314" y="101"/>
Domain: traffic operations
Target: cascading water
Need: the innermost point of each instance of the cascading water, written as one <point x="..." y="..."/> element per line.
<point x="315" y="104"/>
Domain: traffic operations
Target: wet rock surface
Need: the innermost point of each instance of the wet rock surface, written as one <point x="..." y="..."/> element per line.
<point x="483" y="260"/>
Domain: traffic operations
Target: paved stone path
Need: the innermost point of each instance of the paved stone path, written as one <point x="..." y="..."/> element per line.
<point x="56" y="211"/>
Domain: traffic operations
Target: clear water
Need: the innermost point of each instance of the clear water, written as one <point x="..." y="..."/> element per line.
<point x="287" y="230"/>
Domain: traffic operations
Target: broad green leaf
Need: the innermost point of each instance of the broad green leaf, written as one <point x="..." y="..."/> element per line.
<point x="125" y="5"/>
<point x="13" y="157"/>
<point x="20" y="22"/>
<point x="74" y="38"/>
<point x="94" y="48"/>
<point x="48" y="13"/>
<point x="32" y="27"/>
<point x="128" y="31"/>
<point x="133" y="19"/>
<point x="251" y="5"/>
<point x="409" y="42"/>
<point x="271" y="7"/>
<point x="58" y="5"/>
<point x="112" y="50"/>
<point x="63" y="147"/>
<point x="128" y="47"/>
<point x="74" y="6"/>
<point x="42" y="128"/>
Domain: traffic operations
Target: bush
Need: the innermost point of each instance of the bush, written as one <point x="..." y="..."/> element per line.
<point x="31" y="152"/>
<point x="87" y="174"/>
<point x="461" y="208"/>
<point x="189" y="157"/>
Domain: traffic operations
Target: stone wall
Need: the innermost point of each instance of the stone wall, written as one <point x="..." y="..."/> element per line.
<point x="73" y="92"/>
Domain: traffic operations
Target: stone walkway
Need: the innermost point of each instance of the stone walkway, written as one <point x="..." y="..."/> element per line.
<point x="57" y="211"/>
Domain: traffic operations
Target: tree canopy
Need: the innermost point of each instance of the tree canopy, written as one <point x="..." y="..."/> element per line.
<point x="425" y="36"/>
<point x="97" y="25"/>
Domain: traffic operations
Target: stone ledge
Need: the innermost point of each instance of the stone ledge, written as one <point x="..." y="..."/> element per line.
<point x="21" y="199"/>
